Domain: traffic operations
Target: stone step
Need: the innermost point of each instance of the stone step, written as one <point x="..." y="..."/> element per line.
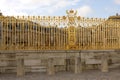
<point x="92" y="61"/>
<point x="114" y="65"/>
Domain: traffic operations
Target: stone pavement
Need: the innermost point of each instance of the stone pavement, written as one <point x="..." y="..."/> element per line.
<point x="86" y="75"/>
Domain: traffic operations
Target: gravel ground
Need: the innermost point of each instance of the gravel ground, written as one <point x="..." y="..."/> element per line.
<point x="86" y="75"/>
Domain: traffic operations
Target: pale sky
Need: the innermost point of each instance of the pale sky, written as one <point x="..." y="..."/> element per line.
<point x="85" y="8"/>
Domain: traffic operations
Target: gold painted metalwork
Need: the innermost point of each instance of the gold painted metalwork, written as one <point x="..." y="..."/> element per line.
<point x="69" y="32"/>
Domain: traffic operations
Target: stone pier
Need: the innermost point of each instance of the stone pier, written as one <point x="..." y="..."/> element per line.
<point x="50" y="69"/>
<point x="78" y="65"/>
<point x="104" y="62"/>
<point x="20" y="65"/>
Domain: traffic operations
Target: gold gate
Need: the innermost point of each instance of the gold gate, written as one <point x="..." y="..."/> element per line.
<point x="69" y="32"/>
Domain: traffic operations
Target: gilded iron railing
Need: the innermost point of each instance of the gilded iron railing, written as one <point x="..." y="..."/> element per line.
<point x="69" y="32"/>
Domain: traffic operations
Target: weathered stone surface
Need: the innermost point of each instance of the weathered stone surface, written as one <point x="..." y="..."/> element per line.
<point x="104" y="62"/>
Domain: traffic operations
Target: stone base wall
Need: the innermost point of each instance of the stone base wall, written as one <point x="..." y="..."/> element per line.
<point x="56" y="61"/>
